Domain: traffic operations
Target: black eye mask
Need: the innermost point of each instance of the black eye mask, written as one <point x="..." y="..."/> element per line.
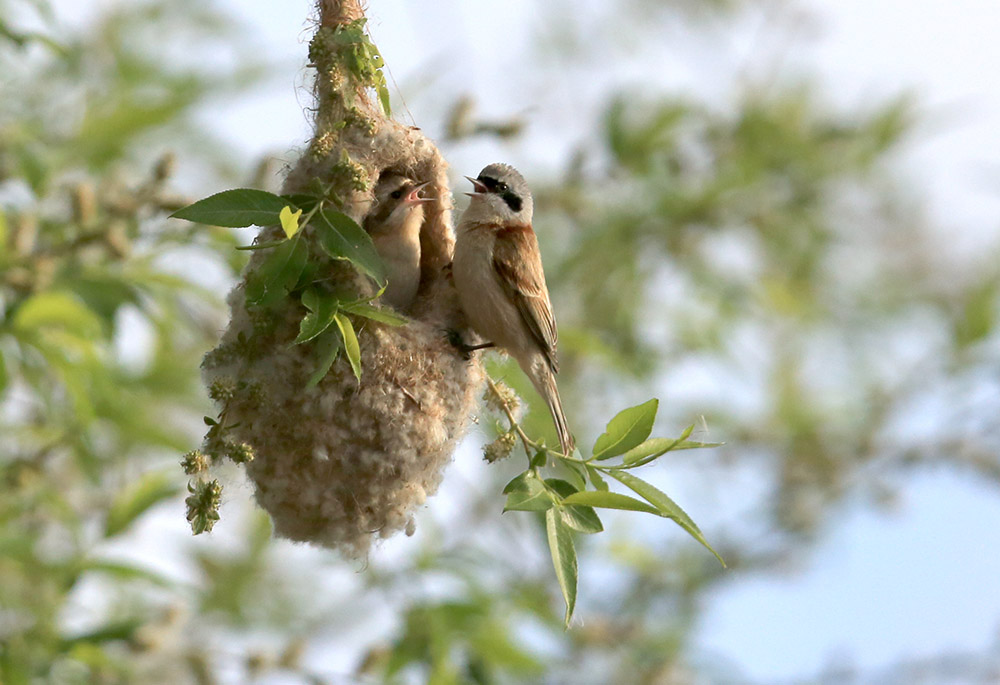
<point x="505" y="193"/>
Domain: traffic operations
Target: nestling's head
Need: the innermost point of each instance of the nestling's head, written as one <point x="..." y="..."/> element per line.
<point x="397" y="199"/>
<point x="501" y="194"/>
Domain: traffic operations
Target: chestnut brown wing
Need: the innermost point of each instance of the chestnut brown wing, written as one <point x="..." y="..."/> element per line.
<point x="518" y="264"/>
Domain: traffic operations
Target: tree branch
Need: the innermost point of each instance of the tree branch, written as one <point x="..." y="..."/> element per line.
<point x="335" y="12"/>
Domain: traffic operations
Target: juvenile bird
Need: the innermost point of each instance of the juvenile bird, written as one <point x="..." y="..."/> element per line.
<point x="501" y="287"/>
<point x="394" y="223"/>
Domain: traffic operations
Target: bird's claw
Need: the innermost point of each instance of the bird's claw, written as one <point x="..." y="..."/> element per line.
<point x="455" y="339"/>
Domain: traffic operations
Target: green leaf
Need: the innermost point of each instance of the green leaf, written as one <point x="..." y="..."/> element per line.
<point x="327" y="350"/>
<point x="322" y="309"/>
<point x="519" y="483"/>
<point x="578" y="517"/>
<point x="675" y="445"/>
<point x="597" y="479"/>
<point x="278" y="274"/>
<point x="563" y="558"/>
<point x="383" y="93"/>
<point x="527" y="493"/>
<point x="341" y="238"/>
<point x="576" y="472"/>
<point x="135" y="499"/>
<point x="627" y="430"/>
<point x="235" y="209"/>
<point x="649" y="450"/>
<point x="540" y="459"/>
<point x="351" y="346"/>
<point x="562" y="488"/>
<point x="666" y="506"/>
<point x="56" y="309"/>
<point x="656" y="447"/>
<point x="581" y="519"/>
<point x="382" y="315"/>
<point x="610" y="500"/>
<point x="125" y="572"/>
<point x="289" y="221"/>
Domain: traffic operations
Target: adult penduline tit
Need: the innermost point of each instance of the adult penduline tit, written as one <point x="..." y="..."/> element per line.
<point x="394" y="223"/>
<point x="501" y="287"/>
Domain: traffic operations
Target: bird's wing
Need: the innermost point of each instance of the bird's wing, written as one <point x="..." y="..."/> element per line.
<point x="518" y="264"/>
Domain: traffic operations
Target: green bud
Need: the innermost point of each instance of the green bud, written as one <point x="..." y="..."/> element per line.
<point x="194" y="462"/>
<point x="499" y="448"/>
<point x="239" y="452"/>
<point x="203" y="505"/>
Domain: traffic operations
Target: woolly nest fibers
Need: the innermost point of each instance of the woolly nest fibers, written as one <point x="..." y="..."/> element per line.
<point x="345" y="462"/>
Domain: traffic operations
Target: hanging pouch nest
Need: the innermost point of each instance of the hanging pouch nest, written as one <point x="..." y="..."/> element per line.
<point x="350" y="411"/>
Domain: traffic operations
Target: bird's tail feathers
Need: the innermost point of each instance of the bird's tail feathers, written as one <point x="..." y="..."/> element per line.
<point x="546" y="386"/>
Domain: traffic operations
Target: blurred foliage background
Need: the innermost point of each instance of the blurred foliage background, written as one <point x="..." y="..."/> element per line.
<point x="769" y="245"/>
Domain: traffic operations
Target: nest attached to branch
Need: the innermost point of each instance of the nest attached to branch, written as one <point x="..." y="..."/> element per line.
<point x="344" y="462"/>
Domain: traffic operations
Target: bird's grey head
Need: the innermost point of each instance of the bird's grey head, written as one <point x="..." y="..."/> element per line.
<point x="505" y="192"/>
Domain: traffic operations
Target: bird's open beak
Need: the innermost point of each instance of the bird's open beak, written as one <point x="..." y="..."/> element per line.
<point x="414" y="197"/>
<point x="478" y="187"/>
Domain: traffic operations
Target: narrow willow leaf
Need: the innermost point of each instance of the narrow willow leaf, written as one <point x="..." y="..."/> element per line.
<point x="578" y="517"/>
<point x="627" y="430"/>
<point x="327" y="350"/>
<point x="382" y="315"/>
<point x="527" y="493"/>
<point x="277" y="274"/>
<point x="650" y="449"/>
<point x="351" y="346"/>
<point x="561" y="487"/>
<point x="656" y="447"/>
<point x="576" y="472"/>
<point x="235" y="209"/>
<point x="666" y="506"/>
<point x="581" y="519"/>
<point x="597" y="479"/>
<point x="563" y="558"/>
<point x="342" y="238"/>
<point x="610" y="500"/>
<point x="135" y="499"/>
<point x="322" y="309"/>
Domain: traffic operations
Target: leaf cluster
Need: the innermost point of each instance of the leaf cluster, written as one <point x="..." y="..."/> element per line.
<point x="570" y="504"/>
<point x="349" y="45"/>
<point x="294" y="266"/>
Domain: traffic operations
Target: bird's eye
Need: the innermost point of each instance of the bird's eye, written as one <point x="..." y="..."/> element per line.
<point x="501" y="188"/>
<point x="396" y="194"/>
